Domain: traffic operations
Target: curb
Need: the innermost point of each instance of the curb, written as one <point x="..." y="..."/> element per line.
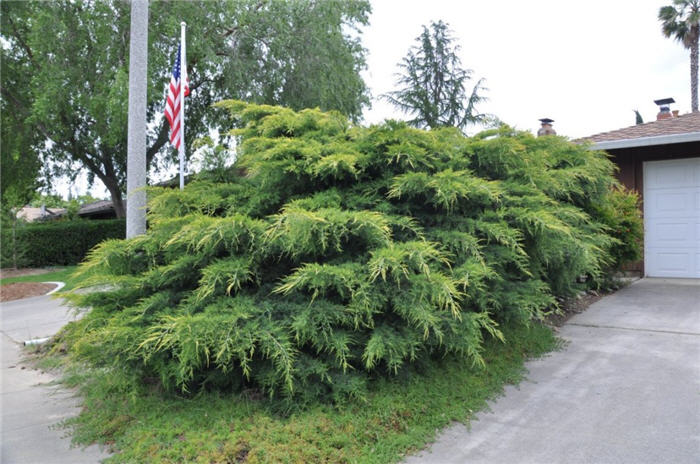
<point x="59" y="285"/>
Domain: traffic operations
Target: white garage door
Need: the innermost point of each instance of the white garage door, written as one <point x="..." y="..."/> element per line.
<point x="672" y="218"/>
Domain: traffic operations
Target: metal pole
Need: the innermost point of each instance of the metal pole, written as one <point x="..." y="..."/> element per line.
<point x="136" y="142"/>
<point x="183" y="74"/>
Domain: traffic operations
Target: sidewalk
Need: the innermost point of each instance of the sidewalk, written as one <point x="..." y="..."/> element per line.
<point x="30" y="405"/>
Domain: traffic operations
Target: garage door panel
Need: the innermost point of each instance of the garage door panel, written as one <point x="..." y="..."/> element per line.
<point x="672" y="233"/>
<point x="676" y="175"/>
<point x="672" y="261"/>
<point x="671" y="203"/>
<point x="672" y="218"/>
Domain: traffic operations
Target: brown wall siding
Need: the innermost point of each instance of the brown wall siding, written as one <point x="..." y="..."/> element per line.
<point x="625" y="173"/>
<point x="630" y="162"/>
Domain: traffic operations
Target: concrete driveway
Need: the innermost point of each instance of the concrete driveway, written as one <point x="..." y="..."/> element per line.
<point x="625" y="389"/>
<point x="30" y="405"/>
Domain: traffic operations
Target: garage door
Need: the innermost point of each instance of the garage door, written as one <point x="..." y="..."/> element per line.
<point x="672" y="218"/>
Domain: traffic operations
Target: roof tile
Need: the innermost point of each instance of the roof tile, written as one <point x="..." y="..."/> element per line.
<point x="681" y="125"/>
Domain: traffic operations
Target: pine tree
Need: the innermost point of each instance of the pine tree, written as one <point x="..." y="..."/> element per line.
<point x="432" y="83"/>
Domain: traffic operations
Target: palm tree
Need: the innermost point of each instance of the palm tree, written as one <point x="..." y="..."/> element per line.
<point x="682" y="21"/>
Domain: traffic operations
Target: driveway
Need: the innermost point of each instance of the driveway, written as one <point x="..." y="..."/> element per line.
<point x="30" y="405"/>
<point x="625" y="389"/>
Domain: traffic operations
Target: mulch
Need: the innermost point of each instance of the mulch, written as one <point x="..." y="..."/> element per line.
<point x="572" y="306"/>
<point x="27" y="271"/>
<point x="17" y="290"/>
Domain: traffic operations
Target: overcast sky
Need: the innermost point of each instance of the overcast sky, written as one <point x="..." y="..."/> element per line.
<point x="585" y="64"/>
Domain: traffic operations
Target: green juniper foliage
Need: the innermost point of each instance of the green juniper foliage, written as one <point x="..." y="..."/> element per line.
<point x="345" y="253"/>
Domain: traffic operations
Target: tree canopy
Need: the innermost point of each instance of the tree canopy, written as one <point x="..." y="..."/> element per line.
<point x="19" y="165"/>
<point x="433" y="84"/>
<point x="19" y="169"/>
<point x="65" y="71"/>
<point x="336" y="254"/>
<point x="682" y="22"/>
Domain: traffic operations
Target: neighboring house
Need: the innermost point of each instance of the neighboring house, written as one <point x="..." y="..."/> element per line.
<point x="661" y="161"/>
<point x="31" y="214"/>
<point x="102" y="209"/>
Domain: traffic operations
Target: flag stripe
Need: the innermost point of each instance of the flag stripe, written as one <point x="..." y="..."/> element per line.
<point x="173" y="102"/>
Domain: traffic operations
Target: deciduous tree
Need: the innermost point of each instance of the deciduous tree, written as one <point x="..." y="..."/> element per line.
<point x="65" y="70"/>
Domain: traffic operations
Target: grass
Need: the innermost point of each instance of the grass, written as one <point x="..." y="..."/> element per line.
<point x="400" y="416"/>
<point x="62" y="274"/>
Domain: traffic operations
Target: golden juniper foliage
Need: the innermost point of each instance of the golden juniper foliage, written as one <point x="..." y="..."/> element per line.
<point x="345" y="252"/>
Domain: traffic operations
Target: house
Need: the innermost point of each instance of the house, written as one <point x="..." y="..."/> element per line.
<point x="31" y="214"/>
<point x="661" y="161"/>
<point x="101" y="209"/>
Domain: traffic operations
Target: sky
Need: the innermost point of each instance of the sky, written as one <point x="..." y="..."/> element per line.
<point x="585" y="64"/>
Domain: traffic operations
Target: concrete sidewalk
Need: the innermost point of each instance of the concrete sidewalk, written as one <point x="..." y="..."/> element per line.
<point x="625" y="389"/>
<point x="30" y="406"/>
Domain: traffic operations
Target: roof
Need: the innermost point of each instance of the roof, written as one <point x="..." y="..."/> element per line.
<point x="684" y="128"/>
<point x="31" y="214"/>
<point x="96" y="207"/>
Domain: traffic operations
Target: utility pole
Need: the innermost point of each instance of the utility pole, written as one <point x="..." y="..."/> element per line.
<point x="136" y="143"/>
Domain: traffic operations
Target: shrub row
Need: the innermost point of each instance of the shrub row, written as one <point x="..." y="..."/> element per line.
<point x="57" y="243"/>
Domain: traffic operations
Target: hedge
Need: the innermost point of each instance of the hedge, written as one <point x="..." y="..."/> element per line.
<point x="58" y="243"/>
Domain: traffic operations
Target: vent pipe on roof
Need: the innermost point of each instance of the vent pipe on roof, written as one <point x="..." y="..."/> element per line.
<point x="546" y="128"/>
<point x="665" y="109"/>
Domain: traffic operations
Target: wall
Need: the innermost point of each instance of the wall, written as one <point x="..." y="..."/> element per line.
<point x="630" y="162"/>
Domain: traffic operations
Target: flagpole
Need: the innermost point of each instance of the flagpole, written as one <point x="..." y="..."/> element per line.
<point x="136" y="139"/>
<point x="183" y="73"/>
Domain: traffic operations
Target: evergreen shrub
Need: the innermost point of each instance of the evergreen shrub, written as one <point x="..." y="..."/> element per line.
<point x="345" y="253"/>
<point x="60" y="243"/>
<point x="622" y="214"/>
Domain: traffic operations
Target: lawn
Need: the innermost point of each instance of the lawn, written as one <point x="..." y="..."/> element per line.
<point x="400" y="416"/>
<point x="62" y="274"/>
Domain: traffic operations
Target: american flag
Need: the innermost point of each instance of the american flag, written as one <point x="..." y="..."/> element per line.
<point x="173" y="105"/>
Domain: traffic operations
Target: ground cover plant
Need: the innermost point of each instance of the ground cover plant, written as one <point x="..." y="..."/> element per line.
<point x="337" y="256"/>
<point x="400" y="414"/>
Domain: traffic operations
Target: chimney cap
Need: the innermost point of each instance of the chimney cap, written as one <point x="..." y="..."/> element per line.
<point x="546" y="121"/>
<point x="665" y="101"/>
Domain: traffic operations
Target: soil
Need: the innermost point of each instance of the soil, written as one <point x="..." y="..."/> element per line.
<point x="572" y="306"/>
<point x="10" y="272"/>
<point x="17" y="290"/>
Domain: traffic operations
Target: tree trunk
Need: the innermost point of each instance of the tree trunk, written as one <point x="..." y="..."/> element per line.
<point x="694" y="76"/>
<point x="116" y="194"/>
<point x="14" y="238"/>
